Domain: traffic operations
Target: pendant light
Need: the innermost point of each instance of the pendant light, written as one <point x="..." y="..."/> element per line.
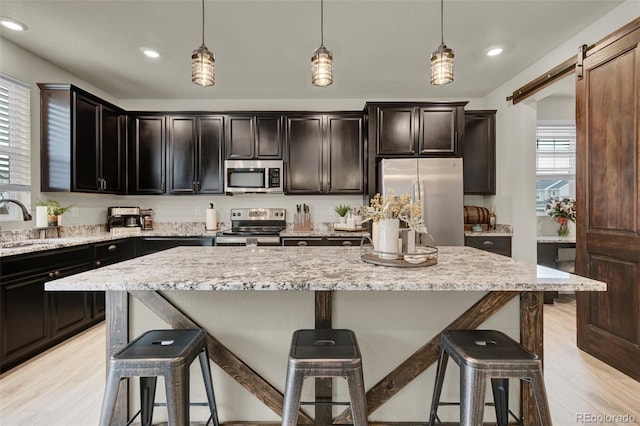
<point x="203" y="63"/>
<point x="442" y="58"/>
<point x="322" y="59"/>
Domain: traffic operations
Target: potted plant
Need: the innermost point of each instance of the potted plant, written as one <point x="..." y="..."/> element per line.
<point x="54" y="211"/>
<point x="342" y="210"/>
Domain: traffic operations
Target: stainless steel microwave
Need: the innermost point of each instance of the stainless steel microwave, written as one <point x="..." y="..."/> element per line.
<point x="251" y="176"/>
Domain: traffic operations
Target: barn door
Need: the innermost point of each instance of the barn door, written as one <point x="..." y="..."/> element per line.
<point x="608" y="196"/>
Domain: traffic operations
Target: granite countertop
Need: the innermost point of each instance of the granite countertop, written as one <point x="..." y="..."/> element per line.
<point x="555" y="239"/>
<point x="488" y="234"/>
<point x="319" y="268"/>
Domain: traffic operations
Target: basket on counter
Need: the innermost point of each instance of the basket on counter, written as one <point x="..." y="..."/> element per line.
<point x="423" y="255"/>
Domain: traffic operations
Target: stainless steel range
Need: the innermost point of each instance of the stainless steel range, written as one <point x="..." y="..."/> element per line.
<point x="261" y="226"/>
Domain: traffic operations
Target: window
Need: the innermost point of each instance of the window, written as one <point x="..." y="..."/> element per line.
<point x="555" y="161"/>
<point x="15" y="145"/>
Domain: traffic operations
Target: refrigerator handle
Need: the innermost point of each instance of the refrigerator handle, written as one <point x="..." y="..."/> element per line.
<point x="423" y="201"/>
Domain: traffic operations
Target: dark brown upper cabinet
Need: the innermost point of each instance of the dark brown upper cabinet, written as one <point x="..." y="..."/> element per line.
<point x="416" y="129"/>
<point x="147" y="158"/>
<point x="251" y="136"/>
<point x="324" y="153"/>
<point x="195" y="154"/>
<point x="82" y="141"/>
<point x="479" y="152"/>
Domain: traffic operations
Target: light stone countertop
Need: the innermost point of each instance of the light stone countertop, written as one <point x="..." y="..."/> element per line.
<point x="555" y="239"/>
<point x="319" y="268"/>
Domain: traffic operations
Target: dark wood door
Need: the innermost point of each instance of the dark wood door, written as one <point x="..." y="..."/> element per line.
<point x="438" y="133"/>
<point x="344" y="150"/>
<point x="111" y="150"/>
<point x="86" y="144"/>
<point x="182" y="155"/>
<point x="608" y="196"/>
<point x="147" y="155"/>
<point x="24" y="319"/>
<point x="304" y="155"/>
<point x="479" y="152"/>
<point x="210" y="167"/>
<point x="396" y="134"/>
<point x="240" y="138"/>
<point x="268" y="143"/>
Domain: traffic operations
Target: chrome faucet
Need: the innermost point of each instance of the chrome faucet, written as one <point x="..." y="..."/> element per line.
<point x="25" y="213"/>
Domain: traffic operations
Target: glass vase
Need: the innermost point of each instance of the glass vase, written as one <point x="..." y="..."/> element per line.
<point x="563" y="229"/>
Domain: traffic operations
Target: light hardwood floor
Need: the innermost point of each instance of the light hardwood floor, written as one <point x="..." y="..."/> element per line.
<point x="64" y="385"/>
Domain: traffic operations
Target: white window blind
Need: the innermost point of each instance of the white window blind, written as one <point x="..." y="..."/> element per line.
<point x="555" y="161"/>
<point x="15" y="135"/>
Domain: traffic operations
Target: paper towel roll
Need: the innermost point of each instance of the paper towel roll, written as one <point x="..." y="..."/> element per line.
<point x="212" y="220"/>
<point x="41" y="216"/>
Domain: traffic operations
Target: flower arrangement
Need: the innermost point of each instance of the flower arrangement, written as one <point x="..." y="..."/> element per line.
<point x="395" y="207"/>
<point x="562" y="210"/>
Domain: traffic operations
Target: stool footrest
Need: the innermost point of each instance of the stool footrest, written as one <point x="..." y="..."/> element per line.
<point x="324" y="403"/>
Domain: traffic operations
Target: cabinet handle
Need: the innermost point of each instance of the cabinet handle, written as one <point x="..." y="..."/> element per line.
<point x="54" y="274"/>
<point x="104" y="184"/>
<point x="487" y="243"/>
<point x="50" y="274"/>
<point x="112" y="247"/>
<point x="347" y="243"/>
<point x="302" y="243"/>
<point x="98" y="263"/>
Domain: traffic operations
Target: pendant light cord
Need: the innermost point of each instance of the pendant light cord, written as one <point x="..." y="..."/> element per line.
<point x="203" y="22"/>
<point x="321" y="22"/>
<point x="441" y="21"/>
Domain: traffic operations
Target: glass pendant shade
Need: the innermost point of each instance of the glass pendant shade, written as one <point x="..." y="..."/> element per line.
<point x="322" y="67"/>
<point x="203" y="65"/>
<point x="442" y="66"/>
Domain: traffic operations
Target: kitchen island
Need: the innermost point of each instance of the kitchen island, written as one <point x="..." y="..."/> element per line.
<point x="251" y="299"/>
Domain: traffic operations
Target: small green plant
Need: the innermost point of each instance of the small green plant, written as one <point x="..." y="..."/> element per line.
<point x="54" y="207"/>
<point x="342" y="209"/>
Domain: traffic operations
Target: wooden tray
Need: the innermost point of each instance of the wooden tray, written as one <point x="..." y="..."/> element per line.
<point x="341" y="227"/>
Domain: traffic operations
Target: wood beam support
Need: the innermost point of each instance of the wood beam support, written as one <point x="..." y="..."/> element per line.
<point x="324" y="386"/>
<point x="531" y="337"/>
<point x="220" y="354"/>
<point x="427" y="355"/>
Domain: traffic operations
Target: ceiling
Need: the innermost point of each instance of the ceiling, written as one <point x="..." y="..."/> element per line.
<point x="263" y="48"/>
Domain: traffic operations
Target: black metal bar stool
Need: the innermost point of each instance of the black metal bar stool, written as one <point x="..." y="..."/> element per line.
<point x="167" y="353"/>
<point x="482" y="355"/>
<point x="324" y="353"/>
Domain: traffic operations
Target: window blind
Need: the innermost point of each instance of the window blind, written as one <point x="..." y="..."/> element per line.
<point x="15" y="135"/>
<point x="556" y="151"/>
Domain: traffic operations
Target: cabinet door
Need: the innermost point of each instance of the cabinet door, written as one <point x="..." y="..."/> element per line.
<point x="396" y="130"/>
<point x="479" y="152"/>
<point x="304" y="155"/>
<point x="70" y="311"/>
<point x="268" y="131"/>
<point x="24" y="319"/>
<point x="240" y="141"/>
<point x="182" y="155"/>
<point x="86" y="144"/>
<point x="210" y="169"/>
<point x="438" y="134"/>
<point x="147" y="153"/>
<point x="344" y="148"/>
<point x="111" y="149"/>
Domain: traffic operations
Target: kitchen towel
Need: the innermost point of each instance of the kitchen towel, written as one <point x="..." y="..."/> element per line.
<point x="211" y="220"/>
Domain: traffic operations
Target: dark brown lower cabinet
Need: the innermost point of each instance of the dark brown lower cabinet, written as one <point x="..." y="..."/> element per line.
<point x="321" y="241"/>
<point x="498" y="245"/>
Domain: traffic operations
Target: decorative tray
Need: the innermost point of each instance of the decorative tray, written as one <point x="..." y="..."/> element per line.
<point x="343" y="227"/>
<point x="421" y="257"/>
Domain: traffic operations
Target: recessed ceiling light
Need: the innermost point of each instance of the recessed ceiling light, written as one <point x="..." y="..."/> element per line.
<point x="12" y="24"/>
<point x="150" y="52"/>
<point x="494" y="51"/>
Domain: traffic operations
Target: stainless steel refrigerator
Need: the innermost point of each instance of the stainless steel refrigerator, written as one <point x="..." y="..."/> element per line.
<point x="437" y="184"/>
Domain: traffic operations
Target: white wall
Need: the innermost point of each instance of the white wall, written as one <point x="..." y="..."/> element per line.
<point x="515" y="133"/>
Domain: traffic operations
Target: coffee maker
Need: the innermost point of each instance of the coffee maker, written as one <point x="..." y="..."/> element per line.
<point x="124" y="220"/>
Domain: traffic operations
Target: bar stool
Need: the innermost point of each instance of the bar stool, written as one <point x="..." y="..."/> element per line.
<point x="167" y="353"/>
<point x="324" y="353"/>
<point x="482" y="355"/>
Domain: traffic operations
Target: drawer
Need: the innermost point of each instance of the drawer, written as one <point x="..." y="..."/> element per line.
<point x="29" y="264"/>
<point x="499" y="245"/>
<point x="113" y="251"/>
<point x="304" y="242"/>
<point x="344" y="241"/>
